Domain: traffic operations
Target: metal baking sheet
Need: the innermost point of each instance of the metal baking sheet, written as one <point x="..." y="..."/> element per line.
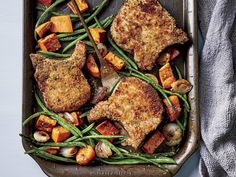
<point x="185" y="13"/>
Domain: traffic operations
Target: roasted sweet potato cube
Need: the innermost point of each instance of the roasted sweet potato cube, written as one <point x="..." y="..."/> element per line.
<point x="92" y="66"/>
<point x="82" y="4"/>
<point x="60" y="134"/>
<point x="173" y="111"/>
<point x="61" y="24"/>
<point x="85" y="155"/>
<point x="163" y="58"/>
<point x="43" y="29"/>
<point x="45" y="2"/>
<point x="98" y="34"/>
<point x="166" y="76"/>
<point x="49" y="43"/>
<point x="113" y="59"/>
<point x="153" y="142"/>
<point x="45" y="123"/>
<point x="107" y="128"/>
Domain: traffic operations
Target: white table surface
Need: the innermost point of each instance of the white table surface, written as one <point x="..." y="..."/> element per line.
<point x="13" y="162"/>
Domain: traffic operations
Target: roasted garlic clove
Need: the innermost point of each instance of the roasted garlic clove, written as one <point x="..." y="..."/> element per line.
<point x="41" y="136"/>
<point x="68" y="151"/>
<point x="181" y="86"/>
<point x="173" y="134"/>
<point x="102" y="150"/>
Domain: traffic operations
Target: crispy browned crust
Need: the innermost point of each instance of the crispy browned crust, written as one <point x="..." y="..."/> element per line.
<point x="144" y="28"/>
<point x="136" y="105"/>
<point x="62" y="83"/>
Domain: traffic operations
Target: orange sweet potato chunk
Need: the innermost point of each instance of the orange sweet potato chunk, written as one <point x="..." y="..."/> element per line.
<point x="82" y="4"/>
<point x="113" y="59"/>
<point x="173" y="111"/>
<point x="92" y="66"/>
<point x="61" y="24"/>
<point x="49" y="43"/>
<point x="43" y="29"/>
<point x="98" y="35"/>
<point x="45" y="123"/>
<point x="60" y="134"/>
<point x="153" y="142"/>
<point x="166" y="76"/>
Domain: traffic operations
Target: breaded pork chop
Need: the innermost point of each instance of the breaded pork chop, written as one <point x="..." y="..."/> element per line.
<point x="144" y="28"/>
<point x="136" y="105"/>
<point x="62" y="83"/>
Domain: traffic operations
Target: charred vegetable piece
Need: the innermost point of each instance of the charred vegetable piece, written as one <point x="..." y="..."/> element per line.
<point x="45" y="123"/>
<point x="52" y="150"/>
<point x="173" y="111"/>
<point x="85" y="155"/>
<point x="61" y="24"/>
<point x="98" y="35"/>
<point x="72" y="118"/>
<point x="99" y="95"/>
<point x="153" y="142"/>
<point x="102" y="150"/>
<point x="82" y="4"/>
<point x="60" y="134"/>
<point x="102" y="49"/>
<point x="173" y="134"/>
<point x="69" y="151"/>
<point x="43" y="29"/>
<point x="113" y="59"/>
<point x="41" y="136"/>
<point x="107" y="128"/>
<point x="49" y="43"/>
<point x="92" y="66"/>
<point x="166" y="76"/>
<point x="45" y="2"/>
<point x="181" y="86"/>
<point x="163" y="58"/>
<point x="173" y="53"/>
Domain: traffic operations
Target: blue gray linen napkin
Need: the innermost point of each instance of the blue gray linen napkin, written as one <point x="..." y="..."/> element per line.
<point x="218" y="88"/>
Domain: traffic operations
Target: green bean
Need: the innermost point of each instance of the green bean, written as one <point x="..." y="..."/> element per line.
<point x="78" y="39"/>
<point x="32" y="117"/>
<point x="48" y="156"/>
<point x="63" y="144"/>
<point x="68" y="39"/>
<point x="88" y="43"/>
<point x="112" y="88"/>
<point x="87" y="129"/>
<point x="180" y="125"/>
<point x="41" y="18"/>
<point x="53" y="54"/>
<point x="96" y="12"/>
<point x="75" y="131"/>
<point x="74" y="42"/>
<point x="129" y="161"/>
<point x="185" y="97"/>
<point x="146" y="160"/>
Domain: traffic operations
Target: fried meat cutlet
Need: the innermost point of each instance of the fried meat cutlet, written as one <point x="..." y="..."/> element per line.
<point x="62" y="83"/>
<point x="144" y="28"/>
<point x="134" y="104"/>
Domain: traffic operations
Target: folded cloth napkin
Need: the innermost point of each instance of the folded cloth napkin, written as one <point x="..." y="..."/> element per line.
<point x="218" y="88"/>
